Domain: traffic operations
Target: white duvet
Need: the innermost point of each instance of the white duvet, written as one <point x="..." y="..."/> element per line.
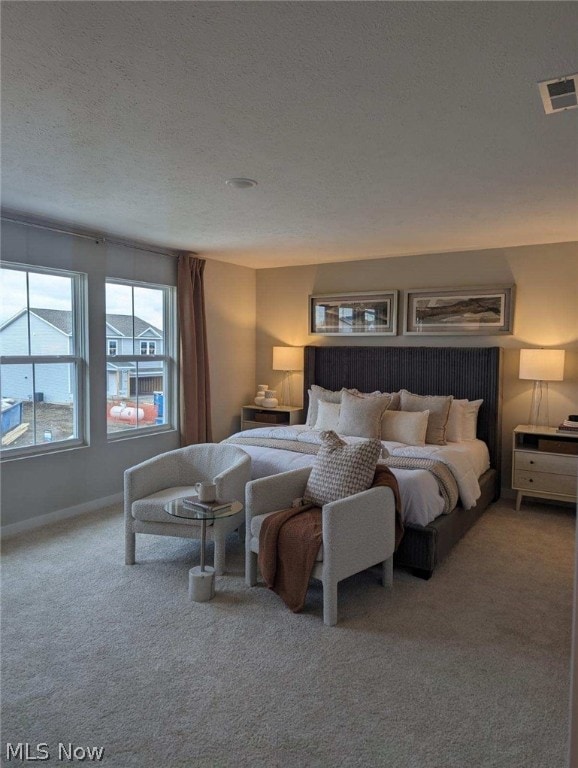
<point x="420" y="498"/>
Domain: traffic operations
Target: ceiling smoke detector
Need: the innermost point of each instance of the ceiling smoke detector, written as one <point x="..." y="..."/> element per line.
<point x="241" y="183"/>
<point x="559" y="94"/>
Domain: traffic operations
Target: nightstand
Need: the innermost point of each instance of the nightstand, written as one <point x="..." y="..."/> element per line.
<point x="255" y="416"/>
<point x="544" y="463"/>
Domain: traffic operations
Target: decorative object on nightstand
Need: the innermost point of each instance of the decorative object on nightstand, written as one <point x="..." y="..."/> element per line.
<point x="270" y="399"/>
<point x="544" y="463"/>
<point x="541" y="366"/>
<point x="261" y="389"/>
<point x="287" y="359"/>
<point x="569" y="425"/>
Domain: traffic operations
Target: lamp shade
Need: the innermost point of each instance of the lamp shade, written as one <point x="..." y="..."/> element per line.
<point x="542" y="364"/>
<point x="287" y="358"/>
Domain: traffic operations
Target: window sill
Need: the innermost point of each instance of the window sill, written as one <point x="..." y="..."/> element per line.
<point x="163" y="429"/>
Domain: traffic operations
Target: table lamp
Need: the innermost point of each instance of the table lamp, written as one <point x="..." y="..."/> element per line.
<point x="287" y="359"/>
<point x="541" y="365"/>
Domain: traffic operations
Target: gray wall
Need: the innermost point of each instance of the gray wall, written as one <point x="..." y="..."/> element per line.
<point x="35" y="486"/>
<point x="546" y="313"/>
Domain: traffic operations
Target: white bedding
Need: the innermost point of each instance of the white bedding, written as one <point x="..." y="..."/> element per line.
<point x="420" y="498"/>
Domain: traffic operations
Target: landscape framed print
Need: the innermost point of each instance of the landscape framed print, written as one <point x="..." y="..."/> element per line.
<point x="459" y="311"/>
<point x="354" y="314"/>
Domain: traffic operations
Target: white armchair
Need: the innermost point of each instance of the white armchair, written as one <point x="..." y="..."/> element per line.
<point x="357" y="532"/>
<point x="150" y="485"/>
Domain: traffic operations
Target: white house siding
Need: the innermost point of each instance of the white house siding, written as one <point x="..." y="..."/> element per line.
<point x="46" y="339"/>
<point x="54" y="380"/>
<point x="125" y="345"/>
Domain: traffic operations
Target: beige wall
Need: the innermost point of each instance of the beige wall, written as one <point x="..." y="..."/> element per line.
<point x="546" y="312"/>
<point x="230" y="299"/>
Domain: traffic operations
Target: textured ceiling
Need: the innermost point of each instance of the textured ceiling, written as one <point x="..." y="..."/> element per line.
<point x="373" y="128"/>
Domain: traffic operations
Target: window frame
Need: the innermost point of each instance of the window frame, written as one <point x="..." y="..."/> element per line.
<point x="168" y="358"/>
<point x="79" y="301"/>
<point x="109" y="343"/>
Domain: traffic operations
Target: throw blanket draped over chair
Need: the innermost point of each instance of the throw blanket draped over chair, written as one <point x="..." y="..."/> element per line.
<point x="290" y="539"/>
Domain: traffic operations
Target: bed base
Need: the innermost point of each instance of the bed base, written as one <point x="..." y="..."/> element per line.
<point x="423" y="548"/>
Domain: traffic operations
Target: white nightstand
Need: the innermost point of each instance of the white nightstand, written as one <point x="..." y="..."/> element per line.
<point x="255" y="416"/>
<point x="544" y="463"/>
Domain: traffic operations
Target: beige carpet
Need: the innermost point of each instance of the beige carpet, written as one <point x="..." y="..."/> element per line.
<point x="468" y="670"/>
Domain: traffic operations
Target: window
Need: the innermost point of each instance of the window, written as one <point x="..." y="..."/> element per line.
<point x="148" y="348"/>
<point x="112" y="348"/>
<point x="41" y="359"/>
<point x="140" y="393"/>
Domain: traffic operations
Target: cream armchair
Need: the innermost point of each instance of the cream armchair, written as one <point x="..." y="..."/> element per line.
<point x="150" y="485"/>
<point x="357" y="532"/>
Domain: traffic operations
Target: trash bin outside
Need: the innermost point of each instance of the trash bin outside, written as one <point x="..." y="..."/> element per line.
<point x="159" y="402"/>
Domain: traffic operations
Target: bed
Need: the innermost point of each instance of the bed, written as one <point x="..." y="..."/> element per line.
<point x="465" y="372"/>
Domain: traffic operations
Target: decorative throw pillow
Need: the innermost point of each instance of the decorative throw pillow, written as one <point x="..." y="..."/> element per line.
<point x="341" y="469"/>
<point x="463" y="420"/>
<point x="327" y="415"/>
<point x="470" y="419"/>
<point x="361" y="416"/>
<point x="439" y="410"/>
<point x="317" y="393"/>
<point x="405" y="426"/>
<point x="454" y="426"/>
<point x="394" y="396"/>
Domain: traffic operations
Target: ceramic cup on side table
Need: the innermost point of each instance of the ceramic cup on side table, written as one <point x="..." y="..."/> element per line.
<point x="206" y="491"/>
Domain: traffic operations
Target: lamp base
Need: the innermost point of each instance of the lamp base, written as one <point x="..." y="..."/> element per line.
<point x="539" y="415"/>
<point x="285" y="398"/>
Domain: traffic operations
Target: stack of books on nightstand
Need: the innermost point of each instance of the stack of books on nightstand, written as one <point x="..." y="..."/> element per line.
<point x="192" y="502"/>
<point x="569" y="426"/>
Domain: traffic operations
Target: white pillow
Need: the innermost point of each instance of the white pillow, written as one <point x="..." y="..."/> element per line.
<point x="408" y="427"/>
<point x="470" y="419"/>
<point x="454" y="427"/>
<point x="317" y="393"/>
<point x="327" y="415"/>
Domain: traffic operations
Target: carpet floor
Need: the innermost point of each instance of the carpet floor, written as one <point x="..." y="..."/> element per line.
<point x="467" y="670"/>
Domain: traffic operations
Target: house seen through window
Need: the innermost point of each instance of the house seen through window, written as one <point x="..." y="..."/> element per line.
<point x="148" y="348"/>
<point x="41" y="359"/>
<point x="139" y="323"/>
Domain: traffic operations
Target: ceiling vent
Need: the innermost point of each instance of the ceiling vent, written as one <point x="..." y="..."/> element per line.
<point x="559" y="94"/>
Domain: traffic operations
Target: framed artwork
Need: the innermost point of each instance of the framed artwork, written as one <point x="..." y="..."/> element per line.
<point x="354" y="314"/>
<point x="455" y="311"/>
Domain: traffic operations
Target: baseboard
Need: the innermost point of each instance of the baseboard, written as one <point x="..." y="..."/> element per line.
<point x="60" y="514"/>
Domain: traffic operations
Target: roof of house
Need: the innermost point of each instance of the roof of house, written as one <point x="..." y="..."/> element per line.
<point x="123" y="324"/>
<point x="62" y="320"/>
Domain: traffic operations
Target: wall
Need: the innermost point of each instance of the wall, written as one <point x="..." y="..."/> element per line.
<point x="39" y="485"/>
<point x="546" y="313"/>
<point x="230" y="297"/>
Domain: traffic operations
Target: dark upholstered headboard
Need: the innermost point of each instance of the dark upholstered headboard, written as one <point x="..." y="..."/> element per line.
<point x="464" y="372"/>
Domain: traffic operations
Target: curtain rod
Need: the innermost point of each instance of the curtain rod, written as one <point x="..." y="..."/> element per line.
<point x="99" y="238"/>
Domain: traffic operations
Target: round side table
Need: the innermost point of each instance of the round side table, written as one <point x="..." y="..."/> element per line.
<point x="201" y="577"/>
